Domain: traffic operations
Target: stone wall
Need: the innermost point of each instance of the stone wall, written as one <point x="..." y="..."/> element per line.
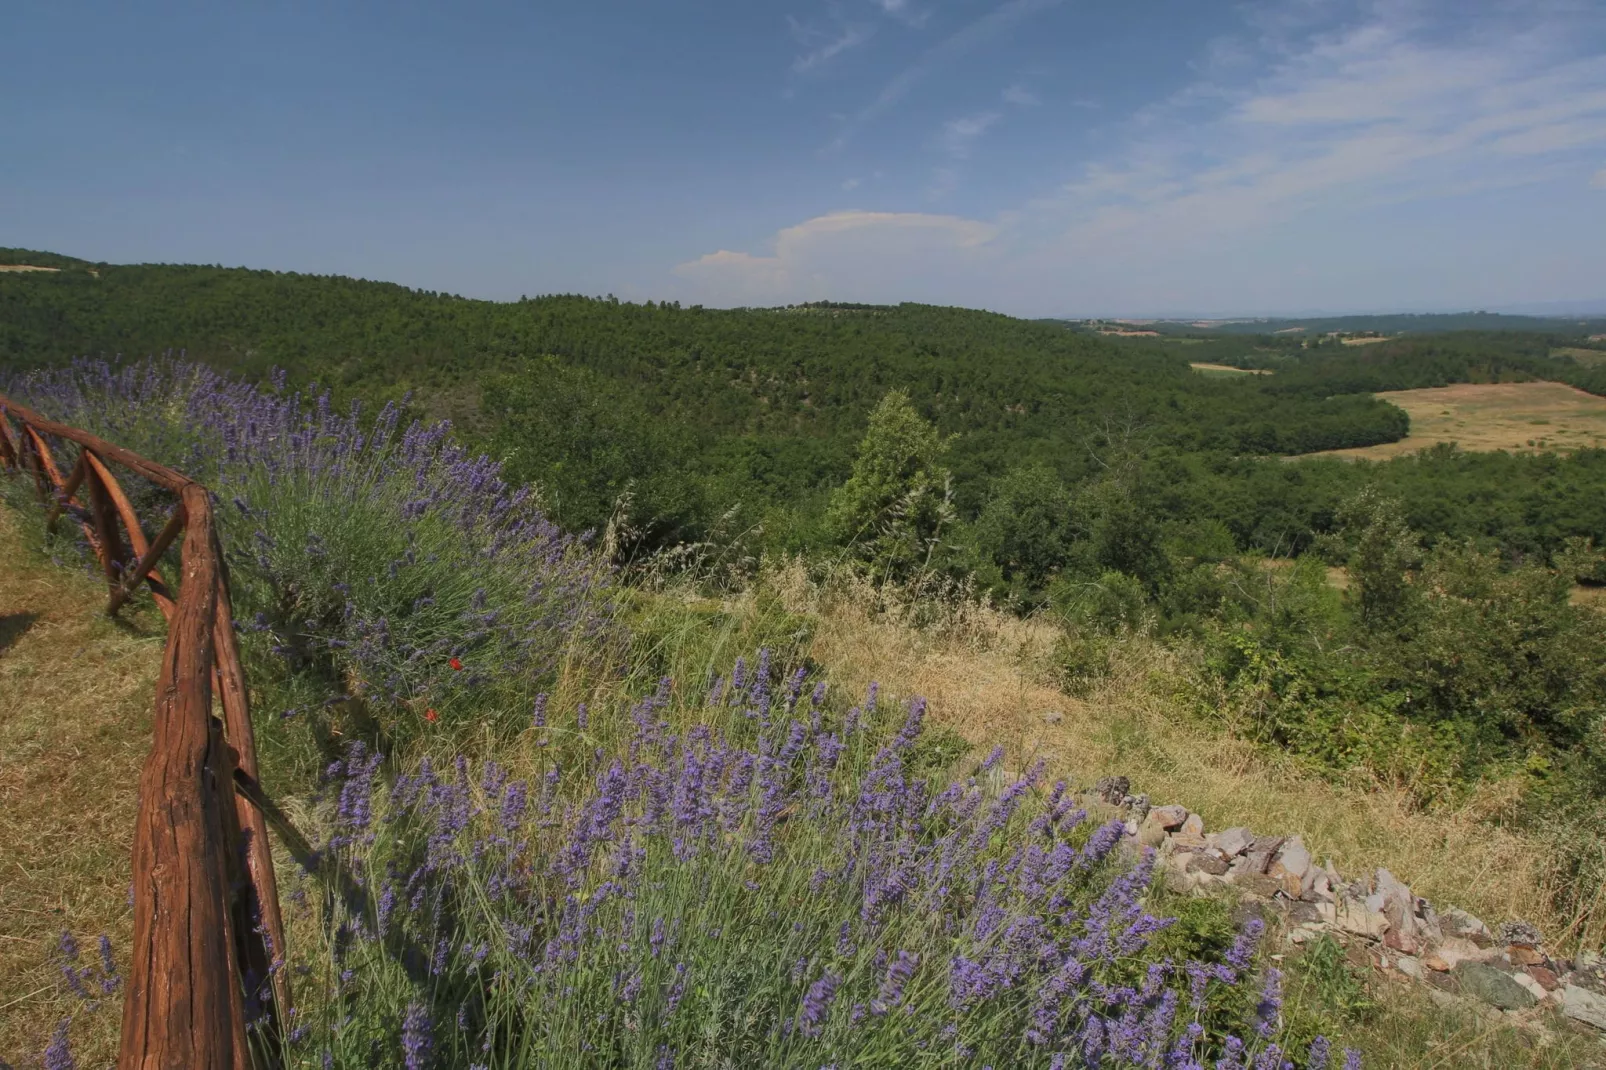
<point x="1505" y="971"/>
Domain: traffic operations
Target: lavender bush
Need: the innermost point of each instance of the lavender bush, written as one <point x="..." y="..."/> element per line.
<point x="777" y="885"/>
<point x="380" y="562"/>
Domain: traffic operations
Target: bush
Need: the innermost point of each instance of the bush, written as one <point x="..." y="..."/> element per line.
<point x="776" y="885"/>
<point x="385" y="578"/>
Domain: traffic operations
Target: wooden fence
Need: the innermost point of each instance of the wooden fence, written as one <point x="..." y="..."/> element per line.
<point x="208" y="945"/>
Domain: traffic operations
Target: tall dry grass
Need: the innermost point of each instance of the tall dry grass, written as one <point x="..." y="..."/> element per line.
<point x="989" y="675"/>
<point x="76" y="692"/>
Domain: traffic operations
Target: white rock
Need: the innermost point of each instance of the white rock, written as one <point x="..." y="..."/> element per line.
<point x="1412" y="967"/>
<point x="1531" y="985"/>
<point x="1360" y="919"/>
<point x="1294" y="858"/>
<point x="1582" y="1005"/>
<point x="1233" y="841"/>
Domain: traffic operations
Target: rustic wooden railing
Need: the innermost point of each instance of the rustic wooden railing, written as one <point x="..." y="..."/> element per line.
<point x="208" y="934"/>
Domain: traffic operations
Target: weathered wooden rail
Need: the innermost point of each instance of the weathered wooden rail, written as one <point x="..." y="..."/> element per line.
<point x="208" y="934"/>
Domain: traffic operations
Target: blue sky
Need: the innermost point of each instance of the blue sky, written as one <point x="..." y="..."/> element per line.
<point x="1037" y="157"/>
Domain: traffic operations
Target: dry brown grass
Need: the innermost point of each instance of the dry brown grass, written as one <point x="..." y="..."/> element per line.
<point x="75" y="708"/>
<point x="25" y="267"/>
<point x="1519" y="417"/>
<point x="988" y="676"/>
<point x="1225" y="369"/>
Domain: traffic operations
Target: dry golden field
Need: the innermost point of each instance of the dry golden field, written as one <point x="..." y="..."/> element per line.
<point x="1225" y="369"/>
<point x="1520" y="417"/>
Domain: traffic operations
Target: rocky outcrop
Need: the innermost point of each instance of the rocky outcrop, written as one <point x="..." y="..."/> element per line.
<point x="1378" y="916"/>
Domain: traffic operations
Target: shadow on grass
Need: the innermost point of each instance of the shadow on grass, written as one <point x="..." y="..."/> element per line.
<point x="13" y="626"/>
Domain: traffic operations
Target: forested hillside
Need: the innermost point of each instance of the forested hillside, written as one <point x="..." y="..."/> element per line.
<point x="695" y="412"/>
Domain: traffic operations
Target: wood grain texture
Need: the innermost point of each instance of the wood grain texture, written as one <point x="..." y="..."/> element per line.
<point x="208" y="930"/>
<point x="182" y="1007"/>
<point x="264" y="887"/>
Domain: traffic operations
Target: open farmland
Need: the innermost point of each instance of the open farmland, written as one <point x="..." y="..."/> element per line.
<point x="1204" y="368"/>
<point x="1519" y="417"/>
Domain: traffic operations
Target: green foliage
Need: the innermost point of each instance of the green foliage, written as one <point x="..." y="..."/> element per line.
<point x="1112" y="602"/>
<point x="590" y="446"/>
<point x="1385" y="550"/>
<point x="1325" y="995"/>
<point x="1474" y="668"/>
<point x="695" y="411"/>
<point x="1027" y="529"/>
<point x="892" y="510"/>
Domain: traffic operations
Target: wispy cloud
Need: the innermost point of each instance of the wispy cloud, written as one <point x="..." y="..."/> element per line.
<point x="850" y="183"/>
<point x="1372" y="114"/>
<point x="959" y="135"/>
<point x="1294" y="133"/>
<point x="1020" y="96"/>
<point x="824" y="46"/>
<point x="999" y="20"/>
<point x="904" y="11"/>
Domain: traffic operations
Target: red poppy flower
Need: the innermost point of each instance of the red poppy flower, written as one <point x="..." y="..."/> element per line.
<point x="431" y="715"/>
<point x="454" y="663"/>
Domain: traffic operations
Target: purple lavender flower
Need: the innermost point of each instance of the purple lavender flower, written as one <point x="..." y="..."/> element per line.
<point x="58" y="1056"/>
<point x="418" y="1037"/>
<point x="898" y="975"/>
<point x="1243" y="947"/>
<point x="677" y="988"/>
<point x="1270" y="1004"/>
<point x="109" y="980"/>
<point x="1320" y="1051"/>
<point x="817" y="1003"/>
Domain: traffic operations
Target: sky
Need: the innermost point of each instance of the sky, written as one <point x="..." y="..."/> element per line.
<point x="1036" y="157"/>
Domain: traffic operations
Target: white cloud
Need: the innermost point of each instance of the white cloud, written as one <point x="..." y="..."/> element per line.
<point x="1364" y="117"/>
<point x="976" y="33"/>
<point x="850" y="183"/>
<point x="864" y="254"/>
<point x="1020" y="96"/>
<point x="903" y="11"/>
<point x="1214" y="198"/>
<point x="959" y="135"/>
<point x="823" y="47"/>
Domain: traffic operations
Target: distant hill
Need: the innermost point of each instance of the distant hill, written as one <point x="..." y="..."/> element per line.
<point x="1386" y="324"/>
<point x="36" y="258"/>
<point x="757" y="404"/>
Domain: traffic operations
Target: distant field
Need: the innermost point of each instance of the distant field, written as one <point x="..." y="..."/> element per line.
<point x="1225" y="369"/>
<point x="1363" y="341"/>
<point x="25" y="267"/>
<point x="1519" y="417"/>
<point x="1582" y="356"/>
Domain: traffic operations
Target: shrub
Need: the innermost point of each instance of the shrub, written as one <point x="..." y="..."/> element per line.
<point x="382" y="574"/>
<point x="776" y="886"/>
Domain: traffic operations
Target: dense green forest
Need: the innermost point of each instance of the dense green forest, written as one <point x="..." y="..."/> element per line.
<point x="697" y="412"/>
